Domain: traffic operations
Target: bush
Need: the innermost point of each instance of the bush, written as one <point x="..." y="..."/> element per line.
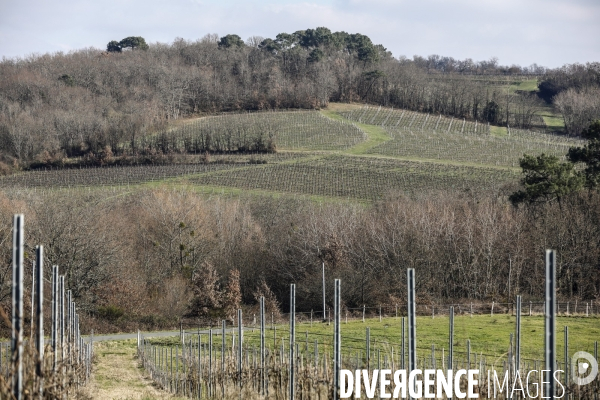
<point x="110" y="312"/>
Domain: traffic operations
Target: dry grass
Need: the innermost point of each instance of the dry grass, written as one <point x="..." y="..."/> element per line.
<point x="117" y="374"/>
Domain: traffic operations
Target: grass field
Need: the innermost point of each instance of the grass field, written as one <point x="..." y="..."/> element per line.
<point x="529" y="85"/>
<point x="489" y="336"/>
<point x="183" y="364"/>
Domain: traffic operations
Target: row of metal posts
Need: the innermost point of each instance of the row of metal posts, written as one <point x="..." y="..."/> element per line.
<point x="550" y="336"/>
<point x="549" y="327"/>
<point x="144" y="349"/>
<point x="67" y="347"/>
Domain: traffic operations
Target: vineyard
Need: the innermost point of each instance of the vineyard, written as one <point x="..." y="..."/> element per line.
<point x="417" y="135"/>
<point x="38" y="368"/>
<point x="255" y="358"/>
<point x="388" y="117"/>
<point x="362" y="178"/>
<point x="352" y="152"/>
<point x="254" y="132"/>
<point x="338" y="175"/>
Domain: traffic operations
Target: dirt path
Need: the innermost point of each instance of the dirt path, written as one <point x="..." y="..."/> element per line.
<point x="118" y="376"/>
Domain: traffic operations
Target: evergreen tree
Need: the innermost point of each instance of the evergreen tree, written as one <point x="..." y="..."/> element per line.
<point x="589" y="155"/>
<point x="546" y="179"/>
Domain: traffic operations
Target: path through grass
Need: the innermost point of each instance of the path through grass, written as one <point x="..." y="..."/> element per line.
<point x="117" y="374"/>
<point x="376" y="134"/>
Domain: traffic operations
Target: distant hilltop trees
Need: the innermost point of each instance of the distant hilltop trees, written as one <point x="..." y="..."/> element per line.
<point x="131" y="42"/>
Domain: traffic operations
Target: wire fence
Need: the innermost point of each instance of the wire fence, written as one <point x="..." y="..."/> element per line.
<point x="272" y="359"/>
<point x="40" y="368"/>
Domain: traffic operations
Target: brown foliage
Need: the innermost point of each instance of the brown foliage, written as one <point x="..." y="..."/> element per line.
<point x="206" y="293"/>
<point x="272" y="305"/>
<point x="232" y="297"/>
<point x="158" y="255"/>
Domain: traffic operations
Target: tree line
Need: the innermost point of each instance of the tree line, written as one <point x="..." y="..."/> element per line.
<point x="153" y="256"/>
<point x="68" y="105"/>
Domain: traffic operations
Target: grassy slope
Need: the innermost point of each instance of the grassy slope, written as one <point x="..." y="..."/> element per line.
<point x="553" y="121"/>
<point x="376" y="135"/>
<point x="529" y="85"/>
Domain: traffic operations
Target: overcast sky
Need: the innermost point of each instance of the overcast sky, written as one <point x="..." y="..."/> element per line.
<point x="547" y="32"/>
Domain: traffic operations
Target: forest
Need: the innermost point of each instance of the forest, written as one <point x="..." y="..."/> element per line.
<point x="153" y="256"/>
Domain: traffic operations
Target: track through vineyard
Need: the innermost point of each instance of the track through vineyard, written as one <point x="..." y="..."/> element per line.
<point x="117" y="375"/>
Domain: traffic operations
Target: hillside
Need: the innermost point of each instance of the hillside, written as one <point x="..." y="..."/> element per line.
<point x="345" y="151"/>
<point x="57" y="106"/>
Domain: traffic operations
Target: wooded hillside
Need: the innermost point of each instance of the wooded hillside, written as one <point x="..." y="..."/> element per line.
<point x="56" y="105"/>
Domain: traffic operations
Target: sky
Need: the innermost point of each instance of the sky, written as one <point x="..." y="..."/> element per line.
<point x="550" y="33"/>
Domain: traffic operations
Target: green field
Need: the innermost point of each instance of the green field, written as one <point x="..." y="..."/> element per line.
<point x="489" y="337"/>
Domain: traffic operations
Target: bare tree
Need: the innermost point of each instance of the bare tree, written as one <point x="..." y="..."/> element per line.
<point x="578" y="108"/>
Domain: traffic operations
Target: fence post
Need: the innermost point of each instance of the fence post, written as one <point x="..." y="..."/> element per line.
<point x="210" y="359"/>
<point x="71" y="331"/>
<point x="587" y="309"/>
<point x="223" y="345"/>
<point x="316" y="354"/>
<point x="518" y="336"/>
<point x="262" y="344"/>
<point x="240" y="345"/>
<point x="550" y="322"/>
<point x="324" y="307"/>
<point x="412" y="322"/>
<point x="33" y="287"/>
<point x="293" y="336"/>
<point x="337" y="359"/>
<point x="368" y="347"/>
<point x="53" y="337"/>
<point x="61" y="316"/>
<point x="451" y="339"/>
<point x="403" y="349"/>
<point x="468" y="353"/>
<point x="567" y="356"/>
<point x="17" y="307"/>
<point x="39" y="269"/>
<point x="364" y="309"/>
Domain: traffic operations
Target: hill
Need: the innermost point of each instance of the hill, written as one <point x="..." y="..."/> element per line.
<point x="57" y="106"/>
